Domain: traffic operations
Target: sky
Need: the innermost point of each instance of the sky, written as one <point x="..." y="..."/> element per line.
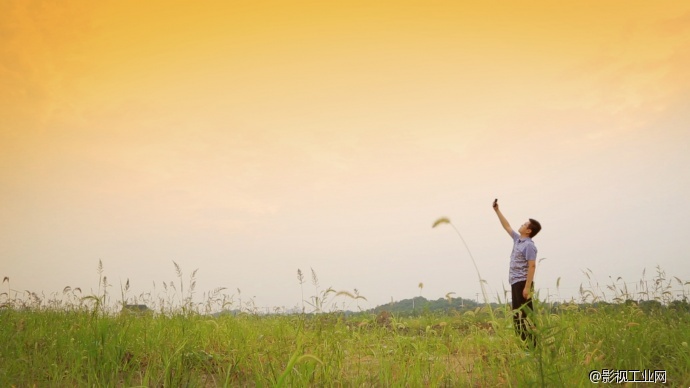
<point x="250" y="139"/>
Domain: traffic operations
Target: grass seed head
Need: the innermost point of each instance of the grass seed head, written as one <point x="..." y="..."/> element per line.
<point x="440" y="221"/>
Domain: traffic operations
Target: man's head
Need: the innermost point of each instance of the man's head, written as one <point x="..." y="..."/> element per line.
<point x="530" y="228"/>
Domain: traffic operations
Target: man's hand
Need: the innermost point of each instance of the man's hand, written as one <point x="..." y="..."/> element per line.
<point x="504" y="222"/>
<point x="529" y="286"/>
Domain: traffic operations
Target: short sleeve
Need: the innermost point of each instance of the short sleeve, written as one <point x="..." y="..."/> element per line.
<point x="515" y="235"/>
<point x="530" y="252"/>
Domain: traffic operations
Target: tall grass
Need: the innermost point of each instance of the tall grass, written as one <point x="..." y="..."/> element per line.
<point x="79" y="341"/>
<point x="445" y="220"/>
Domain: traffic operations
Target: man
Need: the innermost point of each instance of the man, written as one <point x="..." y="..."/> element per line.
<point x="523" y="263"/>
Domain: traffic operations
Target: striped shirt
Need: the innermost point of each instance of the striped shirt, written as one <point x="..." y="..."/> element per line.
<point x="523" y="251"/>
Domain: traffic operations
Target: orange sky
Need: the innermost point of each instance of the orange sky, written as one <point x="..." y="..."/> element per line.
<point x="242" y="135"/>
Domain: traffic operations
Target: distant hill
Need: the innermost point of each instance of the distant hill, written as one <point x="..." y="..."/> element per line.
<point x="420" y="304"/>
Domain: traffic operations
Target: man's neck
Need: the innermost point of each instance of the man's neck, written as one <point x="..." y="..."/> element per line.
<point x="524" y="236"/>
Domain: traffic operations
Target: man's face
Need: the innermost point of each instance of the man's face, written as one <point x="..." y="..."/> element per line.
<point x="525" y="228"/>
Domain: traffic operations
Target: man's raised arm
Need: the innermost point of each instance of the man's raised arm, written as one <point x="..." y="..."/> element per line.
<point x="503" y="220"/>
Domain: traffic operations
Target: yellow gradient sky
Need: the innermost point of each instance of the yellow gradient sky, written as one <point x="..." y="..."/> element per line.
<point x="249" y="139"/>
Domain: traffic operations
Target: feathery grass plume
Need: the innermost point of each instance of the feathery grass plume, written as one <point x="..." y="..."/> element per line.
<point x="9" y="290"/>
<point x="123" y="292"/>
<point x="442" y="220"/>
<point x="314" y="279"/>
<point x="99" y="269"/>
<point x="350" y="295"/>
<point x="445" y="220"/>
<point x="188" y="300"/>
<point x="178" y="270"/>
<point x="318" y="299"/>
<point x="300" y="279"/>
<point x="192" y="282"/>
<point x="213" y="298"/>
<point x="345" y="293"/>
<point x="35" y="298"/>
<point x="354" y="296"/>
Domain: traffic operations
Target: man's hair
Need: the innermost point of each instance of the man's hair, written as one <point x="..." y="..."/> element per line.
<point x="534" y="227"/>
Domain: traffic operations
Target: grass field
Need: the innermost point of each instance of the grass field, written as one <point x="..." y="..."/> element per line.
<point x="77" y="341"/>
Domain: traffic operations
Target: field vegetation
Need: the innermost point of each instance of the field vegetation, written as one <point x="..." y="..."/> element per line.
<point x="87" y="340"/>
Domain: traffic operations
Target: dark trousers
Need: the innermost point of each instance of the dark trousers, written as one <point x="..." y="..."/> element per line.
<point x="522" y="307"/>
